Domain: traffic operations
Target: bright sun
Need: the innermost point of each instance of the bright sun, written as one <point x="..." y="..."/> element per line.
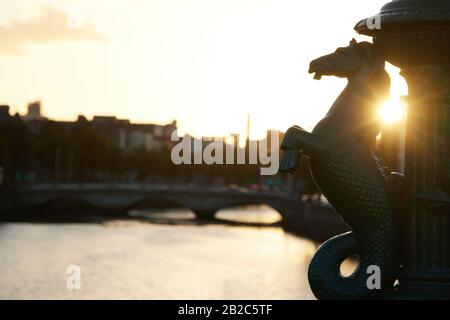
<point x="391" y="111"/>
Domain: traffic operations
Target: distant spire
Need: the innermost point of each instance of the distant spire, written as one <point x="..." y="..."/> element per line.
<point x="248" y="128"/>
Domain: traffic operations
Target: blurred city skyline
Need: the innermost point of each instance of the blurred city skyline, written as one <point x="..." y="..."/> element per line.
<point x="205" y="64"/>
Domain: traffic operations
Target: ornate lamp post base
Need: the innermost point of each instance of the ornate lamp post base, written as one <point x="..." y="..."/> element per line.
<point x="415" y="36"/>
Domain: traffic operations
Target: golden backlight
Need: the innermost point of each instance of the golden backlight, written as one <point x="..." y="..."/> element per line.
<point x="206" y="64"/>
<point x="394" y="110"/>
<point x="391" y="112"/>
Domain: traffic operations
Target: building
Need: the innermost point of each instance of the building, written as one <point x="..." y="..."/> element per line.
<point x="34" y="111"/>
<point x="131" y="136"/>
<point x="122" y="133"/>
<point x="4" y="113"/>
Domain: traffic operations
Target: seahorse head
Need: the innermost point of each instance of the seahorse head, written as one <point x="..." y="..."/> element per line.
<point x="347" y="62"/>
<point x="363" y="65"/>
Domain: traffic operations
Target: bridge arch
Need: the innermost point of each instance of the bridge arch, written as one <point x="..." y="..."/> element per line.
<point x="117" y="199"/>
<point x="63" y="201"/>
<point x="64" y="208"/>
<point x="155" y="203"/>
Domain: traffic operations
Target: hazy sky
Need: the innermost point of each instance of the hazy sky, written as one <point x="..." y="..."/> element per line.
<point x="205" y="63"/>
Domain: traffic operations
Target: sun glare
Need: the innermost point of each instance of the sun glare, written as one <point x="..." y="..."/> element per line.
<point x="391" y="111"/>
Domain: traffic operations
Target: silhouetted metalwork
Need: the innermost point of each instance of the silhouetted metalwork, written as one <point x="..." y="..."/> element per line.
<point x="413" y="35"/>
<point x="345" y="165"/>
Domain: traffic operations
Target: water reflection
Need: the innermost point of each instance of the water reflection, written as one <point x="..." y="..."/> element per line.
<point x="129" y="259"/>
<point x="254" y="214"/>
<point x="249" y="216"/>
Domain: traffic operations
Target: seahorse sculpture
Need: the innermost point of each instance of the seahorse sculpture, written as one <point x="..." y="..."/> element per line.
<point x="344" y="162"/>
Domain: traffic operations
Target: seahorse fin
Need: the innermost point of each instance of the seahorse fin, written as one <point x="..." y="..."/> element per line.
<point x="397" y="181"/>
<point x="290" y="161"/>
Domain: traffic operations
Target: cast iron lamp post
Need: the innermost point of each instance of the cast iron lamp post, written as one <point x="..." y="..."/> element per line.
<point x="415" y="36"/>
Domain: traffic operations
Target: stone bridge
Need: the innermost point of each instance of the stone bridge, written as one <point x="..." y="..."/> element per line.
<point x="120" y="198"/>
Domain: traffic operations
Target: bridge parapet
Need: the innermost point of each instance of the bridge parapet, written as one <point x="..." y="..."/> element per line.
<point x="120" y="196"/>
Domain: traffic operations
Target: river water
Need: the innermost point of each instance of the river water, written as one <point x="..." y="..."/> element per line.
<point x="134" y="259"/>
